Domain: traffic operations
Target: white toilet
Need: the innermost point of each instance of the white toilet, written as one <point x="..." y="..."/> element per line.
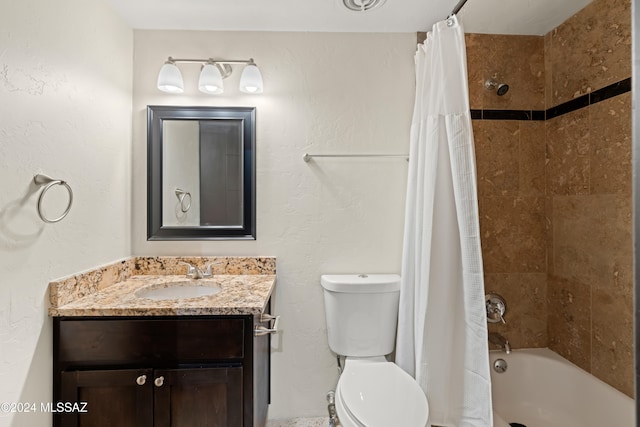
<point x="362" y="314"/>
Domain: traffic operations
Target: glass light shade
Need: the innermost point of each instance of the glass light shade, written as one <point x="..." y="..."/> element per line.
<point x="251" y="79"/>
<point x="170" y="79"/>
<point x="210" y="80"/>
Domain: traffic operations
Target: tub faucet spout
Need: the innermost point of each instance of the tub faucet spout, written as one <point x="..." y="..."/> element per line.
<point x="500" y="341"/>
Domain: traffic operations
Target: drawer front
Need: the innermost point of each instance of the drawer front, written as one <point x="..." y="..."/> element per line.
<point x="150" y="341"/>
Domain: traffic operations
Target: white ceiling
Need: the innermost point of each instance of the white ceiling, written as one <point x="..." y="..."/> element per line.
<point x="534" y="17"/>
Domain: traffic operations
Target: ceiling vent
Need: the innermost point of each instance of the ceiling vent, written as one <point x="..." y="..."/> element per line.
<point x="362" y="5"/>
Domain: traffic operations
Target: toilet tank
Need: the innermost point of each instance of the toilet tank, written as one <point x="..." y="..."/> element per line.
<point x="362" y="313"/>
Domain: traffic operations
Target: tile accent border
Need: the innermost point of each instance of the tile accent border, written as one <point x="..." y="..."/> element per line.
<point x="594" y="97"/>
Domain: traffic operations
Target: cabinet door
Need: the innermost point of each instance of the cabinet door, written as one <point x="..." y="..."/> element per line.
<point x="202" y="397"/>
<point x="122" y="398"/>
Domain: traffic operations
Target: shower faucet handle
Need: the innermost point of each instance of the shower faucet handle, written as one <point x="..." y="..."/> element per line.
<point x="496" y="307"/>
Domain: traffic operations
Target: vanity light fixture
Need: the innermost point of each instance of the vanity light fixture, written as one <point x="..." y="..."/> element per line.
<point x="170" y="78"/>
<point x="211" y="75"/>
<point x="210" y="80"/>
<point x="251" y="79"/>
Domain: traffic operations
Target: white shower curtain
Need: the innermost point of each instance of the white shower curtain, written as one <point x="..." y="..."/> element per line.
<point x="442" y="327"/>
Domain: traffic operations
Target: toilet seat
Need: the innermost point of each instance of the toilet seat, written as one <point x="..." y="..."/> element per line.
<point x="373" y="392"/>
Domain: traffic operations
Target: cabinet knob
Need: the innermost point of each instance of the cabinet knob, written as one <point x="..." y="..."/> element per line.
<point x="159" y="381"/>
<point x="141" y="380"/>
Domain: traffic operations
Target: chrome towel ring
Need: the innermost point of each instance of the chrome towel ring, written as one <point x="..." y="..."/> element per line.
<point x="44" y="180"/>
<point x="181" y="195"/>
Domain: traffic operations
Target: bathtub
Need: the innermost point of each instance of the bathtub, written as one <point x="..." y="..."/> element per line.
<point x="541" y="389"/>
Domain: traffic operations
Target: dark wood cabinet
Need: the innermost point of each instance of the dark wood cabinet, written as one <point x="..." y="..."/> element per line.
<point x="113" y="397"/>
<point x="182" y="371"/>
<point x="199" y="398"/>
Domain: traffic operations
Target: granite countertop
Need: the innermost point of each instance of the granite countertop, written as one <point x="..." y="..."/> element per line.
<point x="239" y="295"/>
<point x="246" y="283"/>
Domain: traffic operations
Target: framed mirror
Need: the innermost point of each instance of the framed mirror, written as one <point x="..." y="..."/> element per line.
<point x="201" y="173"/>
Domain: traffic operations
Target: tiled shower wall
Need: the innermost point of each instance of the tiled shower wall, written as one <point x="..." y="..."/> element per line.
<point x="555" y="194"/>
<point x="510" y="158"/>
<point x="588" y="183"/>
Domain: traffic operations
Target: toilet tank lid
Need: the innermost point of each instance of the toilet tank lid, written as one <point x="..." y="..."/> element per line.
<point x="361" y="283"/>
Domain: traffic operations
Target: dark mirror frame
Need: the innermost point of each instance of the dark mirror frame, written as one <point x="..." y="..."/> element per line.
<point x="156" y="114"/>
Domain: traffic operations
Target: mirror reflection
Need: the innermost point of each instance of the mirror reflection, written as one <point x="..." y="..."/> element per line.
<point x="202" y="173"/>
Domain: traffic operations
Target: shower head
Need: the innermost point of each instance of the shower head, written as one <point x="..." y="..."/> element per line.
<point x="500" y="88"/>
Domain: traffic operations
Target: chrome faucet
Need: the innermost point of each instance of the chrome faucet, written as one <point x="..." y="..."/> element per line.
<point x="496" y="307"/>
<point x="500" y="341"/>
<point x="195" y="273"/>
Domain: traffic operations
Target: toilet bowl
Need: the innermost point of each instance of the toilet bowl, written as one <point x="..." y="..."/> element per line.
<point x="362" y="313"/>
<point x="373" y="392"/>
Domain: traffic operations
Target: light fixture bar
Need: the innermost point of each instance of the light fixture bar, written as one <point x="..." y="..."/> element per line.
<point x="211" y="60"/>
<point x="212" y="72"/>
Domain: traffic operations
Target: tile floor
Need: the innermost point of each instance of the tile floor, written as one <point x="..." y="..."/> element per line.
<point x="300" y="422"/>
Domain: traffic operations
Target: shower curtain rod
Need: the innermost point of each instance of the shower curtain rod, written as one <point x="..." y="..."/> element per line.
<point x="456" y="9"/>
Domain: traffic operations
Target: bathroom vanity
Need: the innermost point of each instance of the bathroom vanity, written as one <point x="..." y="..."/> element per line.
<point x="125" y="360"/>
<point x="161" y="371"/>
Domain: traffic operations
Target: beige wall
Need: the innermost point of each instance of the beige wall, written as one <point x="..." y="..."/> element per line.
<point x="324" y="93"/>
<point x="555" y="195"/>
<point x="65" y="91"/>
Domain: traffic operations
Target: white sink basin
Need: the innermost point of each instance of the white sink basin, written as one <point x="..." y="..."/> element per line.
<point x="178" y="290"/>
